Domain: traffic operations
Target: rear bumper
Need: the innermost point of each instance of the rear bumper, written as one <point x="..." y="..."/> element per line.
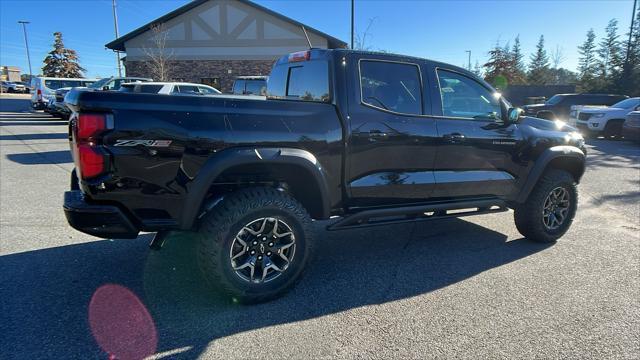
<point x="105" y="221"/>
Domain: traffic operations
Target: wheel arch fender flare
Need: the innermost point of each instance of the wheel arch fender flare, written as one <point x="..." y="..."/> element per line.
<point x="572" y="156"/>
<point x="226" y="159"/>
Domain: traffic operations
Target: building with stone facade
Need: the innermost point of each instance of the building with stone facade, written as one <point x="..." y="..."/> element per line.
<point x="214" y="41"/>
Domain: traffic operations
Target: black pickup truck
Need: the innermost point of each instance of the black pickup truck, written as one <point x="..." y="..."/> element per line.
<point x="367" y="138"/>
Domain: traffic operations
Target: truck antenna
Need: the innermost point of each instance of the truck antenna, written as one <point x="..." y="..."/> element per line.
<point x="307" y="36"/>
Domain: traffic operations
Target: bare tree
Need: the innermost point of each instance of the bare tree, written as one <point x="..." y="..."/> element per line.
<point x="159" y="58"/>
<point x="361" y="38"/>
<point x="557" y="57"/>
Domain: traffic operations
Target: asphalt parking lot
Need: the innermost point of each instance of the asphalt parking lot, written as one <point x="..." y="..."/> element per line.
<point x="456" y="288"/>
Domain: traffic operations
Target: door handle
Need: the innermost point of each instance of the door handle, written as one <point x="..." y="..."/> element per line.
<point x="454" y="138"/>
<point x="377" y="134"/>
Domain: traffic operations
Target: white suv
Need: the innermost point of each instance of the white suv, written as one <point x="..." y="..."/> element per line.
<point x="606" y="121"/>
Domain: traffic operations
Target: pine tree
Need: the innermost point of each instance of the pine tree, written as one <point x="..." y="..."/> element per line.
<point x="539" y="66"/>
<point x="62" y="62"/>
<point x="519" y="68"/>
<point x="497" y="69"/>
<point x="628" y="82"/>
<point x="477" y="69"/>
<point x="587" y="65"/>
<point x="610" y="60"/>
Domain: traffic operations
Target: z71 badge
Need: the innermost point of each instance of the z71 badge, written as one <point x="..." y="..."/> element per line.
<point x="150" y="143"/>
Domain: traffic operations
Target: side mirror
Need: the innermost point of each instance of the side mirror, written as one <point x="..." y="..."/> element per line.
<point x="105" y="88"/>
<point x="513" y="114"/>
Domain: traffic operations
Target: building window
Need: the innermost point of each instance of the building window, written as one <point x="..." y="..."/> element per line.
<point x="213" y="82"/>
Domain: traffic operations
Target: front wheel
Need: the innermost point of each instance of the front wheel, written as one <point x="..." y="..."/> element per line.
<point x="613" y="129"/>
<point x="255" y="244"/>
<point x="550" y="208"/>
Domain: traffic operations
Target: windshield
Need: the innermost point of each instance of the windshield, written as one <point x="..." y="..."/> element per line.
<point x="99" y="84"/>
<point x="626" y="104"/>
<point x="554" y="99"/>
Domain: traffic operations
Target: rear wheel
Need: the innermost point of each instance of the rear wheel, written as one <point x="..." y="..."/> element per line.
<point x="255" y="244"/>
<point x="550" y="208"/>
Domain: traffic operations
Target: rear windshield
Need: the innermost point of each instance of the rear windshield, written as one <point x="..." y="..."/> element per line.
<point x="255" y="87"/>
<point x="306" y="81"/>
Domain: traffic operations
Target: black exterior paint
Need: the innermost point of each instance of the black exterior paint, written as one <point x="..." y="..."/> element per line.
<point x="349" y="156"/>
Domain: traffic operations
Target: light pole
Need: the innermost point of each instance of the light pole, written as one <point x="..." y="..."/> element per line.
<point x="469" y="64"/>
<point x="633" y="17"/>
<point x="115" y="25"/>
<point x="26" y="44"/>
<point x="352" y="22"/>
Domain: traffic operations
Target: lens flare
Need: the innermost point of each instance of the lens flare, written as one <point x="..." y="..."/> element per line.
<point x="121" y="324"/>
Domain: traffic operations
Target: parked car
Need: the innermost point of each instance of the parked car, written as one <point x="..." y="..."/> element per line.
<point x="250" y="85"/>
<point x="560" y="105"/>
<point x="248" y="174"/>
<point x="58" y="108"/>
<point x="169" y="88"/>
<point x="631" y="126"/>
<point x="26" y="86"/>
<point x="12" y="87"/>
<point x="114" y="83"/>
<point x="606" y="121"/>
<point x="43" y="89"/>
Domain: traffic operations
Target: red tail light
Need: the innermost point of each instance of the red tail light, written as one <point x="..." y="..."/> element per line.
<point x="39" y="93"/>
<point x="90" y="125"/>
<point x="90" y="157"/>
<point x="300" y="56"/>
<point x="91" y="161"/>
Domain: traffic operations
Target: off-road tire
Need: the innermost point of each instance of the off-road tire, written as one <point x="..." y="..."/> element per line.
<point x="218" y="230"/>
<point x="529" y="215"/>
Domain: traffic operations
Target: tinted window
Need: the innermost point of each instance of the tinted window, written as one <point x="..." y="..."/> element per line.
<point x="187" y="89"/>
<point x="464" y="97"/>
<point x="555" y="99"/>
<point x="204" y="90"/>
<point x="57" y="84"/>
<point x="100" y="83"/>
<point x="309" y="82"/>
<point x="254" y="87"/>
<point x="391" y="86"/>
<point x="238" y="87"/>
<point x="149" y="89"/>
<point x="627" y="104"/>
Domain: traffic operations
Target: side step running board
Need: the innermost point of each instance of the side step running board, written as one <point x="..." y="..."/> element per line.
<point x="396" y="215"/>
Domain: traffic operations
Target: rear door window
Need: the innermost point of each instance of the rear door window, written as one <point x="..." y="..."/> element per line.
<point x="149" y="89"/>
<point x="391" y="86"/>
<point x="187" y="89"/>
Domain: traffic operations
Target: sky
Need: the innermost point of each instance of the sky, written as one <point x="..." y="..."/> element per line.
<point x="439" y="30"/>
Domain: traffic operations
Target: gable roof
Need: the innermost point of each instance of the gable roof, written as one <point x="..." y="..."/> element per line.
<point x="118" y="44"/>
